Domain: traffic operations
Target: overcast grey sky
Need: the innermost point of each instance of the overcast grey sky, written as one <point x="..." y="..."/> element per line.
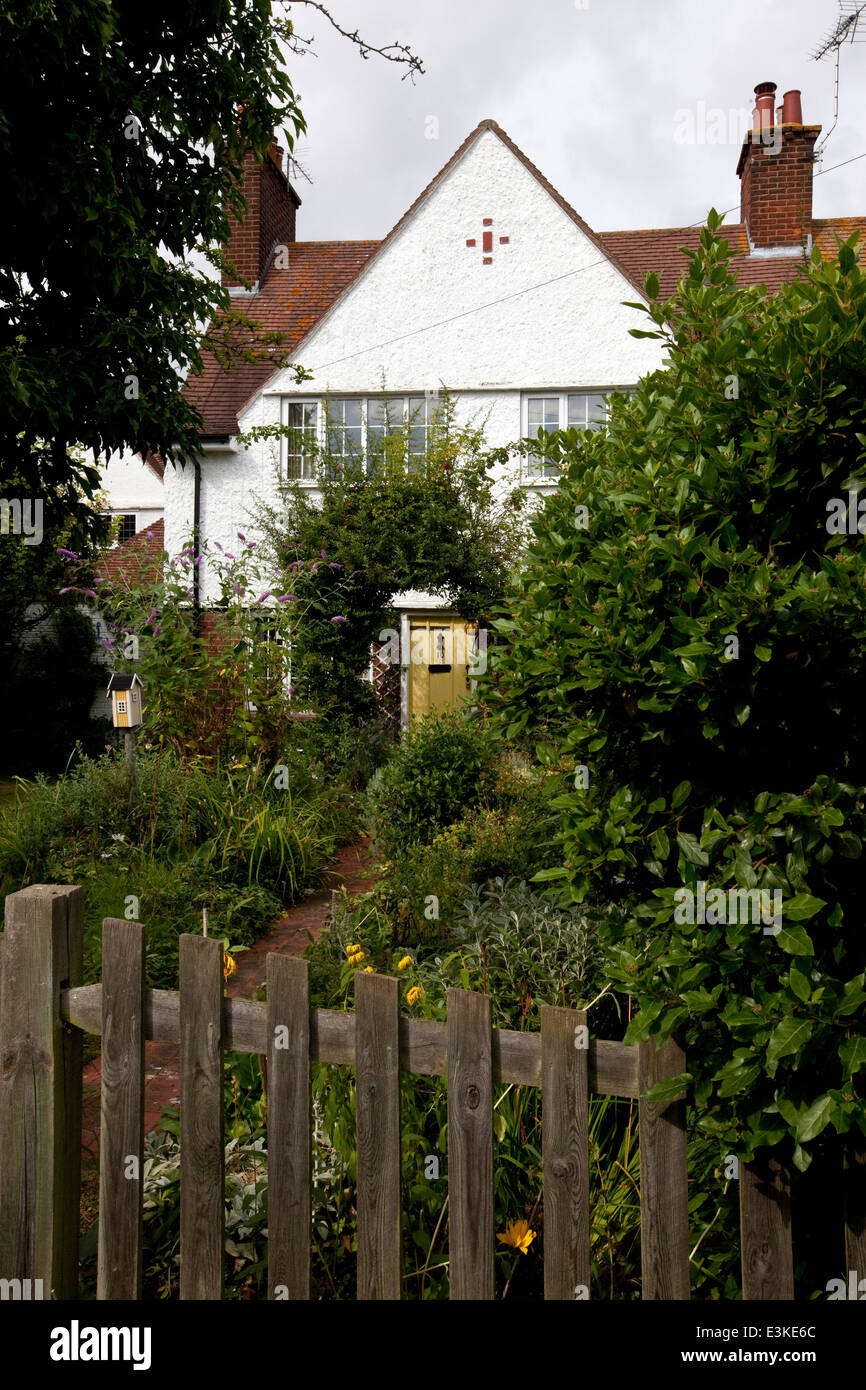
<point x="592" y="91"/>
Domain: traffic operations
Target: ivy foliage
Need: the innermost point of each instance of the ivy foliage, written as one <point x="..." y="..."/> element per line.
<point x="375" y="527"/>
<point x="686" y="647"/>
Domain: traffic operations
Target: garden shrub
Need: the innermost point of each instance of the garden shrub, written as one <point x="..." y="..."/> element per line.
<point x="441" y="767"/>
<point x="77" y="816"/>
<point x="240" y="842"/>
<point x="687" y="637"/>
<point x="170" y="898"/>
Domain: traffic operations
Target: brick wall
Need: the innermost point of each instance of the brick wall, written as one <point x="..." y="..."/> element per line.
<point x="776" y="188"/>
<point x="270" y="219"/>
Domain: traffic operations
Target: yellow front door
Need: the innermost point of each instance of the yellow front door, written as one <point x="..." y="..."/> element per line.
<point x="439" y="662"/>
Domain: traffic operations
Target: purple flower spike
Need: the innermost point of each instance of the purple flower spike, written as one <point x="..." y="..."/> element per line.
<point x="67" y="590"/>
<point x="333" y="565"/>
<point x="89" y="593"/>
<point x="197" y="560"/>
<point x="261" y="598"/>
<point x="241" y="536"/>
<point x="339" y="619"/>
<point x="67" y="554"/>
<point x="284" y="598"/>
<point x="217" y="544"/>
<point x="292" y="689"/>
<point x="229" y="557"/>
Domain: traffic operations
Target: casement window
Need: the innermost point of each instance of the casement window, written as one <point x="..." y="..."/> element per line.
<point x="345" y="429"/>
<point x="353" y="428"/>
<point x="302" y="418"/>
<point x="384" y="418"/>
<point x="126" y="530"/>
<point x="420" y="412"/>
<point x="276" y="670"/>
<point x="561" y="410"/>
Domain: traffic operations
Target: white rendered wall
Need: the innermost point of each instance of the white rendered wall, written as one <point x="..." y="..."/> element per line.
<point x="132" y="487"/>
<point x="545" y="315"/>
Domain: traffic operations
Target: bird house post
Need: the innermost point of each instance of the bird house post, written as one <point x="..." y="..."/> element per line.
<point x="127" y="692"/>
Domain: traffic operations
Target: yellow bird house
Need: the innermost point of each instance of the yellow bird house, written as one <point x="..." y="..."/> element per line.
<point x="126" y="693"/>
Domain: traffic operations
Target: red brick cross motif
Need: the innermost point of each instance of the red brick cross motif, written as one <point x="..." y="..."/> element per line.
<point x="487" y="241"/>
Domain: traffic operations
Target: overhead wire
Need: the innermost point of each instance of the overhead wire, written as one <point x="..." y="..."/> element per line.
<point x="528" y="289"/>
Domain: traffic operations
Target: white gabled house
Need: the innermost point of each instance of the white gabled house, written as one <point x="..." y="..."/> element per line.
<point x="490" y="287"/>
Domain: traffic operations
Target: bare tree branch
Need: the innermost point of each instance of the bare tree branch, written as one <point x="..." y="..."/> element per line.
<point x="392" y="52"/>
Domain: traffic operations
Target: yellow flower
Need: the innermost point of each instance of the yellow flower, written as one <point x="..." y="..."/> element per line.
<point x="357" y="957"/>
<point x="405" y="963"/>
<point x="368" y="970"/>
<point x="350" y="949"/>
<point x="518" y="1234"/>
<point x="229" y="965"/>
<point x="414" y="995"/>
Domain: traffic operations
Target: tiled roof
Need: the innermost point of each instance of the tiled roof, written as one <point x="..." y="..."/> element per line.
<point x="291" y="301"/>
<point x="155" y="463"/>
<point x="659" y="250"/>
<point x="139" y="559"/>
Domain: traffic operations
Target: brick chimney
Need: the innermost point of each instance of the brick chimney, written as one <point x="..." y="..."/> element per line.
<point x="269" y="221"/>
<point x="775" y="169"/>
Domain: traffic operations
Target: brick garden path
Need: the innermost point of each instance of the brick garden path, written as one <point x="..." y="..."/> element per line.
<point x="288" y="936"/>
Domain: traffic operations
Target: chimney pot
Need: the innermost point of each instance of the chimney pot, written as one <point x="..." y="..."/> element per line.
<point x="764" y="104"/>
<point x="792" y="109"/>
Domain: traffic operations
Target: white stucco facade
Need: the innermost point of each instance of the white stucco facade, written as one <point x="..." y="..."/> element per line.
<point x="536" y="311"/>
<point x="132" y="489"/>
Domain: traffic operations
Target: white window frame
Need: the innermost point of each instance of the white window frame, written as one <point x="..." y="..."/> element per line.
<point x="533" y="470"/>
<point x="285" y="416"/>
<point x="410" y="403"/>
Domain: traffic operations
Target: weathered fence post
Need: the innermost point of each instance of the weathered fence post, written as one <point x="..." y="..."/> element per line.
<point x="40" y="1092"/>
<point x="121" y="1138"/>
<point x="765" y="1229"/>
<point x="565" y="1152"/>
<point x="470" y="1145"/>
<point x="664" y="1211"/>
<point x="202" y="1142"/>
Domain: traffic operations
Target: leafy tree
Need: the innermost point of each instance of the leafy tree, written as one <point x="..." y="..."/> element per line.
<point x="122" y="135"/>
<point x="686" y="644"/>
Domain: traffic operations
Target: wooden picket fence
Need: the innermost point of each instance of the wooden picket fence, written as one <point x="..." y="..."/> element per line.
<point x="44" y="1010"/>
